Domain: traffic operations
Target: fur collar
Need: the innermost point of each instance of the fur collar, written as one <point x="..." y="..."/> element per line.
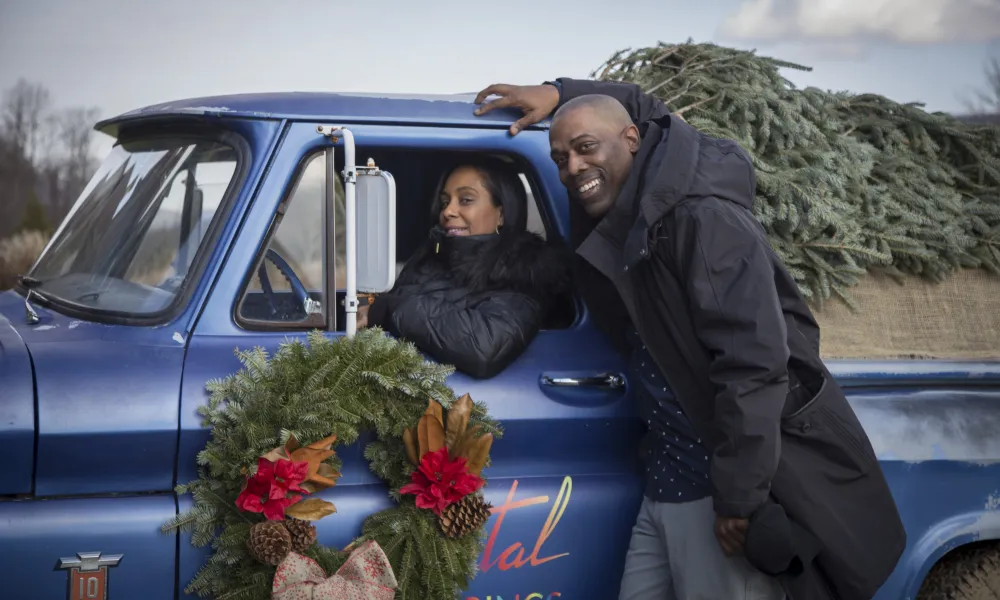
<point x="521" y="262"/>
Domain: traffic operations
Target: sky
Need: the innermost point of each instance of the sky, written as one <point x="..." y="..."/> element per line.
<point x="117" y="55"/>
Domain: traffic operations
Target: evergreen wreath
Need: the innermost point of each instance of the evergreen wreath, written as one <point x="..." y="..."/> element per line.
<point x="274" y="425"/>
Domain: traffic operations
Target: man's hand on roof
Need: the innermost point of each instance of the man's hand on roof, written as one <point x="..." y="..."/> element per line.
<point x="535" y="101"/>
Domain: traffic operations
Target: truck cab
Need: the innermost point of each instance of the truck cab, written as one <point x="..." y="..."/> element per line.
<point x="218" y="224"/>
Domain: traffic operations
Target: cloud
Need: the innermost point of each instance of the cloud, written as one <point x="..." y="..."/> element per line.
<point x="900" y="21"/>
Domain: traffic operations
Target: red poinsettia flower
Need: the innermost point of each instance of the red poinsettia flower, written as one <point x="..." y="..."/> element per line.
<point x="267" y="491"/>
<point x="440" y="481"/>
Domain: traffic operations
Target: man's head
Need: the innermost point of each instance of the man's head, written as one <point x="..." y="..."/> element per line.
<point x="593" y="142"/>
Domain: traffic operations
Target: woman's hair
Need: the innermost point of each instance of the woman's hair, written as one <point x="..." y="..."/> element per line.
<point x="503" y="182"/>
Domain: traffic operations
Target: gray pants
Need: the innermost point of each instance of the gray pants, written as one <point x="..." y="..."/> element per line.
<point x="674" y="555"/>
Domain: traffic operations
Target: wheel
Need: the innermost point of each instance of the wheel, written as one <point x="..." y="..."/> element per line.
<point x="966" y="574"/>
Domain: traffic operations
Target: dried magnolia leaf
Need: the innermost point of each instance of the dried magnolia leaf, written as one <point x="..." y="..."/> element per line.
<point x="461" y="447"/>
<point x="312" y="509"/>
<point x="314" y="454"/>
<point x="422" y="435"/>
<point x="313" y="457"/>
<point x="458" y="420"/>
<point x="410" y="443"/>
<point x="435" y="433"/>
<point x="324" y="478"/>
<point x="276" y="455"/>
<point x="434" y="409"/>
<point x="479" y="451"/>
<point x="324" y="444"/>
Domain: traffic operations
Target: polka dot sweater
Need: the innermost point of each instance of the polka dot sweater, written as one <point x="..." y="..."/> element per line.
<point x="676" y="463"/>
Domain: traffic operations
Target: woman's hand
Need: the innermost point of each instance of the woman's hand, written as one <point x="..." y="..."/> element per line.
<point x="536" y="101"/>
<point x="363" y="316"/>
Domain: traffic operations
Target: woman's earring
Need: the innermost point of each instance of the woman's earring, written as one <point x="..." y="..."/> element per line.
<point x="498" y="230"/>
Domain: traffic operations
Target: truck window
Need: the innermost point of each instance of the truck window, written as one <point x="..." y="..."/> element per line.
<point x="128" y="250"/>
<point x="293" y="260"/>
<point x="296" y="238"/>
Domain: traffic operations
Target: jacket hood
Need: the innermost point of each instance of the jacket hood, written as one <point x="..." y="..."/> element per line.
<point x="690" y="166"/>
<point x="724" y="171"/>
<point x="675" y="163"/>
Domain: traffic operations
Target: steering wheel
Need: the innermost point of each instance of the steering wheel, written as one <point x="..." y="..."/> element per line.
<point x="308" y="304"/>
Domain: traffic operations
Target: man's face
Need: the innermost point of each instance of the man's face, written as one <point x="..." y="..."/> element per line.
<point x="594" y="157"/>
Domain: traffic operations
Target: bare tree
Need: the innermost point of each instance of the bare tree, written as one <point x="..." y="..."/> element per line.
<point x="990" y="97"/>
<point x="76" y="163"/>
<point x="24" y="112"/>
<point x="986" y="99"/>
<point x="45" y="154"/>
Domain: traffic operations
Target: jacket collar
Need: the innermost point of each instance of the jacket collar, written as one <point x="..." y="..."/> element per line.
<point x="662" y="170"/>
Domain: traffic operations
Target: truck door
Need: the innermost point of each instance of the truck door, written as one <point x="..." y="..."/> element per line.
<point x="564" y="482"/>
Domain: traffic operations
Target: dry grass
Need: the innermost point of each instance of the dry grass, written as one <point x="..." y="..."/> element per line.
<point x="17" y="253"/>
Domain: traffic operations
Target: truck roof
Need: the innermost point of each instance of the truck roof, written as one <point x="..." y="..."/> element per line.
<point x="425" y="109"/>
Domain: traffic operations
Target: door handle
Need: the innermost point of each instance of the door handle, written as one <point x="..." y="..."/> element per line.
<point x="605" y="381"/>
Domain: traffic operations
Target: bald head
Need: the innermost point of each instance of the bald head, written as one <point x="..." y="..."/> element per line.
<point x="601" y="107"/>
<point x="593" y="140"/>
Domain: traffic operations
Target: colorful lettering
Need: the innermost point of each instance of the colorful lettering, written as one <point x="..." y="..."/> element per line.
<point x="505" y="561"/>
<point x="532" y="596"/>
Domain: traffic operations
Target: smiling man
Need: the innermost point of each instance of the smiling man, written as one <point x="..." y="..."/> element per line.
<point x="760" y="481"/>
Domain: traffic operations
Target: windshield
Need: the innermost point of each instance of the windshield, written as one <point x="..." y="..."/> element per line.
<point x="128" y="243"/>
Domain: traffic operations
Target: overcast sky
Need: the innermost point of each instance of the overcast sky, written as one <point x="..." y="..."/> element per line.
<point x="120" y="54"/>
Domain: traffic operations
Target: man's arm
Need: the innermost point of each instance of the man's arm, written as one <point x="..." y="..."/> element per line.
<point x="538" y="102"/>
<point x="640" y="106"/>
<point x="728" y="278"/>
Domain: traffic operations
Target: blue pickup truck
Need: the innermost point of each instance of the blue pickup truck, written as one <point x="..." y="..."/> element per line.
<point x="222" y="223"/>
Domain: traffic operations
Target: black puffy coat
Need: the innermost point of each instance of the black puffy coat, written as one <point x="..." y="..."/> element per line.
<point x="475" y="302"/>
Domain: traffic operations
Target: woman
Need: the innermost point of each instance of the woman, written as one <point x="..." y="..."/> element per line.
<point x="476" y="292"/>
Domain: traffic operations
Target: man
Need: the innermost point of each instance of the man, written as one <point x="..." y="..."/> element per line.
<point x="758" y="471"/>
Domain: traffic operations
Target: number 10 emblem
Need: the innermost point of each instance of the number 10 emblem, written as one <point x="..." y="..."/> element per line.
<point x="88" y="574"/>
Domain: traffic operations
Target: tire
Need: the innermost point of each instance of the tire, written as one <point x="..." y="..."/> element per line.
<point x="965" y="574"/>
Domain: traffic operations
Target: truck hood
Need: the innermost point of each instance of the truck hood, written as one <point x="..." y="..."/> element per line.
<point x="17" y="405"/>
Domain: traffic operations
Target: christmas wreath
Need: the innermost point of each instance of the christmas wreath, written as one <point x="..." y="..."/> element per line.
<point x="275" y="425"/>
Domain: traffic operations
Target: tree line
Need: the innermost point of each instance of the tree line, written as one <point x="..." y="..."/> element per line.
<point x="46" y="157"/>
<point x="46" y="154"/>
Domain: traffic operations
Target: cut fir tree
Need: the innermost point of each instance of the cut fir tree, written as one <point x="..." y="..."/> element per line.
<point x="846" y="183"/>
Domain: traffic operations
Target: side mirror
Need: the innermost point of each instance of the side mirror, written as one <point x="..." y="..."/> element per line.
<point x="370" y="219"/>
<point x="376" y="229"/>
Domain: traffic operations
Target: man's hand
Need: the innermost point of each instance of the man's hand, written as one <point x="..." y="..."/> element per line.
<point x="362" y="316"/>
<point x="535" y="101"/>
<point x="732" y="534"/>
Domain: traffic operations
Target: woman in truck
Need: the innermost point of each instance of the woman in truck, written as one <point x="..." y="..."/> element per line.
<point x="476" y="292"/>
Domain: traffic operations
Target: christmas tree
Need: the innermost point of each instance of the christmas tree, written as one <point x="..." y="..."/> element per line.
<point x="846" y="183"/>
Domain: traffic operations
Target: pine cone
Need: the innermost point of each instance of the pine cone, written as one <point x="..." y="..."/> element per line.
<point x="269" y="542"/>
<point x="303" y="533"/>
<point x="466" y="515"/>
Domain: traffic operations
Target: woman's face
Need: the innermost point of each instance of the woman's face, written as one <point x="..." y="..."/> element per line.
<point x="466" y="206"/>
